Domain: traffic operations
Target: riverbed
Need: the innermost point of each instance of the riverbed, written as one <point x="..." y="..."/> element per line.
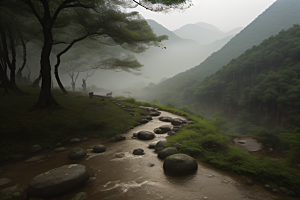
<point x="118" y="174"/>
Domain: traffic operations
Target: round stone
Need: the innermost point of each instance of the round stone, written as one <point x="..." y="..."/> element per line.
<point x="76" y="154"/>
<point x="166" y="128"/>
<point x="145" y="135"/>
<point x="138" y="152"/>
<point x="160" y="145"/>
<point x="99" y="148"/>
<point x="180" y="164"/>
<point x="157" y="131"/>
<point x="167" y="152"/>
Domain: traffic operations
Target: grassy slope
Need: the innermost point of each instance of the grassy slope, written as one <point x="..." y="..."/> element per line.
<point x="79" y="116"/>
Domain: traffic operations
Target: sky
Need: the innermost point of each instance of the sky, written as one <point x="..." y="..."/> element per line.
<point x="224" y="14"/>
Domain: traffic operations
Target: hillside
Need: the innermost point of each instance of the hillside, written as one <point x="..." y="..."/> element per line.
<point x="281" y="15"/>
<point x="263" y="83"/>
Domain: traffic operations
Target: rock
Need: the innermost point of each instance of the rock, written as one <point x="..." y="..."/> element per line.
<point x="154" y="113"/>
<point x="167" y="152"/>
<point x="60" y="149"/>
<point x="160" y="145"/>
<point x="58" y="180"/>
<point x="112" y="139"/>
<point x="165" y="119"/>
<point x="148" y="117"/>
<point x="99" y="148"/>
<point x="58" y="145"/>
<point x="143" y="121"/>
<point x="166" y="128"/>
<point x="85" y="139"/>
<point x="76" y="154"/>
<point x="152" y="146"/>
<point x="249" y="181"/>
<point x="157" y="131"/>
<point x="120" y="137"/>
<point x="146" y="135"/>
<point x="36" y="158"/>
<point x="176" y="122"/>
<point x="4" y="181"/>
<point x="175" y="129"/>
<point x="74" y="140"/>
<point x="170" y="133"/>
<point x="190" y="122"/>
<point x="138" y="152"/>
<point x="35" y="148"/>
<point x="180" y="164"/>
<point x="80" y="196"/>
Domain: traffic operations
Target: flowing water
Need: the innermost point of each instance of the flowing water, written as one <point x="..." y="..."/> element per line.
<point x="121" y="175"/>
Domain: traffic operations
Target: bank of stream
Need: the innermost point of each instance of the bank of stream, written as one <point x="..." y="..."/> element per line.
<point x="118" y="174"/>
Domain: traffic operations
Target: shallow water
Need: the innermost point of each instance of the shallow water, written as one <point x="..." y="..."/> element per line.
<point x="121" y="175"/>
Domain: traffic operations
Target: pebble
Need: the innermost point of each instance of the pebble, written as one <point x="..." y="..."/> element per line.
<point x="60" y="149"/>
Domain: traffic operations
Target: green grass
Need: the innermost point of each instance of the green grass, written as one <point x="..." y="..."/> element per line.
<point x="78" y="116"/>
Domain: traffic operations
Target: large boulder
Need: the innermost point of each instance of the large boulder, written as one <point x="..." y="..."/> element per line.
<point x="165" y="128"/>
<point x="99" y="148"/>
<point x="58" y="180"/>
<point x="180" y="164"/>
<point x="165" y="119"/>
<point x="76" y="154"/>
<point x="145" y="135"/>
<point x="157" y="131"/>
<point x="167" y="152"/>
<point x="160" y="145"/>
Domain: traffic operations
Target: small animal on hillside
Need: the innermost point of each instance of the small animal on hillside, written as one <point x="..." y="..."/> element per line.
<point x="109" y="94"/>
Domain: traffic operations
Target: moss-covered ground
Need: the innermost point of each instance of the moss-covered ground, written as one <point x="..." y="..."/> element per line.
<point x="78" y="116"/>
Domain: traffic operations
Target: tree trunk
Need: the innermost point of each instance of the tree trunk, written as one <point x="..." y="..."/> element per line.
<point x="58" y="79"/>
<point x="45" y="98"/>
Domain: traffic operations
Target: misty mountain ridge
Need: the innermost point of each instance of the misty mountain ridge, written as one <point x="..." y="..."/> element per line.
<point x="280" y="15"/>
<point x="203" y="33"/>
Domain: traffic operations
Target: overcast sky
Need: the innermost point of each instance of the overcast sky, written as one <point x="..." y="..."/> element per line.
<point x="224" y="14"/>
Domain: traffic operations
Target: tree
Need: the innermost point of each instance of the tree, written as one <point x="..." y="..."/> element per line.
<point x="50" y="16"/>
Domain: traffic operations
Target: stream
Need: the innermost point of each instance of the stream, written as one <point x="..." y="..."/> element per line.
<point x="121" y="175"/>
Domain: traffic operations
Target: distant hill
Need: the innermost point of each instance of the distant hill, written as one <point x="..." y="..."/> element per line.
<point x="280" y="15"/>
<point x="180" y="54"/>
<point x="208" y="26"/>
<point x="203" y="33"/>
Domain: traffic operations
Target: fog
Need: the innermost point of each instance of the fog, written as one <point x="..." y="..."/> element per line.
<point x="181" y="52"/>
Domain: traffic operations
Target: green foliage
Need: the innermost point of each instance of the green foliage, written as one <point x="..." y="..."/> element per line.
<point x="293" y="139"/>
<point x="79" y="116"/>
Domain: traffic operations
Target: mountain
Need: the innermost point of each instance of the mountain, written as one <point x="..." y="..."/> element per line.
<point x="203" y="33"/>
<point x="198" y="33"/>
<point x="261" y="87"/>
<point x="208" y="26"/>
<point x="280" y="15"/>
